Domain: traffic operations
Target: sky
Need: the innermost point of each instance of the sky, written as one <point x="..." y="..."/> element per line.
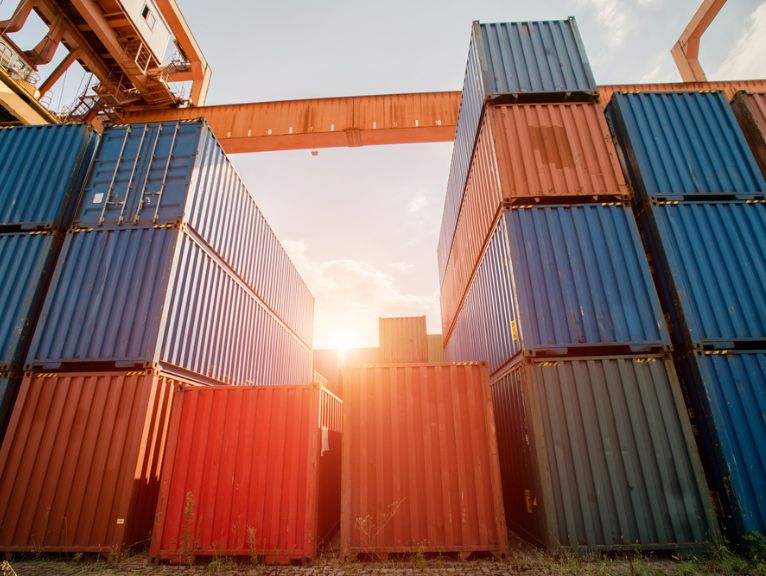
<point x="361" y="224"/>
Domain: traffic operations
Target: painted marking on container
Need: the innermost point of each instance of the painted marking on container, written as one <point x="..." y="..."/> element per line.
<point x="249" y="132"/>
<point x="438" y="122"/>
<point x="290" y="130"/>
<point x="417" y="123"/>
<point x="332" y="127"/>
<point x="98" y="197"/>
<point x="120" y="521"/>
<point x="514" y="330"/>
<point x="374" y="125"/>
<point x="268" y="131"/>
<point x="228" y="134"/>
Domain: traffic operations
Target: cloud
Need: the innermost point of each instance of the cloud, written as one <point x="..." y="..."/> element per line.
<point x="662" y="70"/>
<point x="351" y="295"/>
<point x="612" y="15"/>
<point x="746" y="58"/>
<point x="417" y="203"/>
<point x="401" y="266"/>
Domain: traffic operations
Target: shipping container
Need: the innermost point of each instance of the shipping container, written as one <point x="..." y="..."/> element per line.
<point x="250" y="471"/>
<point x="683" y="145"/>
<point x="728" y="87"/>
<point x="559" y="280"/>
<point x="403" y="339"/>
<point x="710" y="267"/>
<point x="420" y="468"/>
<point x="359" y="356"/>
<point x="80" y="464"/>
<point x="43" y="168"/>
<point x="528" y="154"/>
<point x="155" y="297"/>
<point x="728" y="400"/>
<point x="26" y="265"/>
<point x="176" y="172"/>
<point x="9" y="387"/>
<point x="750" y="110"/>
<point x="515" y="61"/>
<point x="598" y="454"/>
<point x="435" y="348"/>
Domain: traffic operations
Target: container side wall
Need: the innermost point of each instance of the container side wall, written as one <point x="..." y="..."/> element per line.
<point x="79" y="468"/>
<point x="729" y="401"/>
<point x="616" y="457"/>
<point x="435" y="348"/>
<point x="403" y="340"/>
<point x="9" y="388"/>
<point x="420" y="461"/>
<point x="683" y="143"/>
<point x="710" y="266"/>
<point x="750" y="110"/>
<point x="42" y="167"/>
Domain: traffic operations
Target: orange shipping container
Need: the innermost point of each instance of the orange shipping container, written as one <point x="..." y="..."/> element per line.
<point x="80" y="465"/>
<point x="403" y="339"/>
<point x="250" y="471"/>
<point x="420" y="464"/>
<point x="527" y="154"/>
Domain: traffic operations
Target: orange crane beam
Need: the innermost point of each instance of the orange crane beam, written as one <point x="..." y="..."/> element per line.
<point x="685" y="52"/>
<point x="363" y="120"/>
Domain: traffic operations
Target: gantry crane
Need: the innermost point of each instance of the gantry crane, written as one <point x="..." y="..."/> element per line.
<point x="135" y="86"/>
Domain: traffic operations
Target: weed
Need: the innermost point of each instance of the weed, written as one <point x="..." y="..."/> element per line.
<point x="221" y="565"/>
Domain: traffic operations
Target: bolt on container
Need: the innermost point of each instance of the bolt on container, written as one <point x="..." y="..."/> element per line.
<point x="249" y="471"/>
<point x="403" y="339"/>
<point x="80" y="463"/>
<point x="726" y="394"/>
<point x="683" y="145"/>
<point x="598" y="454"/>
<point x="420" y="468"/>
<point x="750" y="110"/>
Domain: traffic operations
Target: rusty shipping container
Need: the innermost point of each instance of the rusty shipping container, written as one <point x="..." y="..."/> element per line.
<point x="403" y="339"/>
<point x="750" y="110"/>
<point x="435" y="348"/>
<point x="527" y="154"/>
<point x="80" y="464"/>
<point x="159" y="298"/>
<point x="598" y="454"/>
<point x="250" y="471"/>
<point x="420" y="468"/>
<point x="176" y="173"/>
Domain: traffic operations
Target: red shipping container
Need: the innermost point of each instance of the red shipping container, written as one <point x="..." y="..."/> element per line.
<point x="420" y="461"/>
<point x="750" y="110"/>
<point x="249" y="471"/>
<point x="403" y="339"/>
<point x="526" y="154"/>
<point x="80" y="465"/>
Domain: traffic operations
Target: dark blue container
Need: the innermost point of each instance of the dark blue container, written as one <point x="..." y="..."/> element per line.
<point x="26" y="265"/>
<point x="512" y="62"/>
<point x="560" y="280"/>
<point x="9" y="389"/>
<point x="176" y="173"/>
<point x="727" y="393"/>
<point x="678" y="145"/>
<point x="42" y="170"/>
<point x="710" y="267"/>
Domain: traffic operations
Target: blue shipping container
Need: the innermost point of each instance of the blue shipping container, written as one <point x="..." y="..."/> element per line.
<point x="157" y="297"/>
<point x="710" y="267"/>
<point x="728" y="397"/>
<point x="678" y="144"/>
<point x="512" y="62"/>
<point x="176" y="172"/>
<point x="573" y="279"/>
<point x="26" y="265"/>
<point x="42" y="169"/>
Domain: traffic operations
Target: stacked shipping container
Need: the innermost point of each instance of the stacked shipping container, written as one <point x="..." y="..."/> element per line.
<point x="170" y="272"/>
<point x="37" y="202"/>
<point x="542" y="268"/>
<point x="699" y="203"/>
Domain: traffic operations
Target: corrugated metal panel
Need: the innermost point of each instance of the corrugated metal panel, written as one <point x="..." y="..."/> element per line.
<point x="435" y="348"/>
<point x="560" y="280"/>
<point x="527" y="154"/>
<point x="26" y="264"/>
<point x="171" y="172"/>
<point x="710" y="266"/>
<point x="420" y="470"/>
<point x="685" y="143"/>
<point x="729" y="400"/>
<point x="79" y="468"/>
<point x="403" y="339"/>
<point x="750" y="110"/>
<point x="142" y="296"/>
<point x="728" y="87"/>
<point x="608" y="456"/>
<point x="9" y="387"/>
<point x="42" y="168"/>
<point x="246" y="472"/>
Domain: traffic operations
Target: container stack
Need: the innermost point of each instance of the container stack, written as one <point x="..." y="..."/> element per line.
<point x="544" y="276"/>
<point x="700" y="203"/>
<point x="169" y="276"/>
<point x="37" y="199"/>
